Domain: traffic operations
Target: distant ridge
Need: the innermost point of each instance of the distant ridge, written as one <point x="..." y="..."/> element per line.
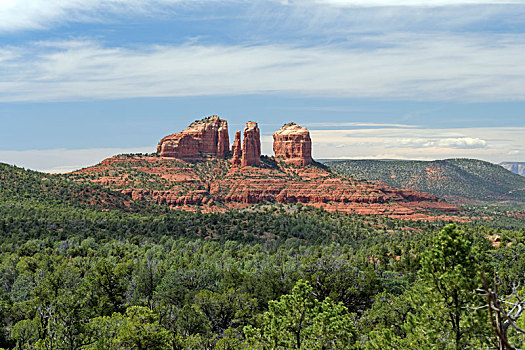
<point x="457" y="180"/>
<point x="515" y="167"/>
<point x="21" y="186"/>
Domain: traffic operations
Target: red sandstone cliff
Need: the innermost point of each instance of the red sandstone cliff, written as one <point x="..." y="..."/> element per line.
<point x="251" y="145"/>
<point x="214" y="186"/>
<point x="292" y="142"/>
<point x="236" y="150"/>
<point x="209" y="136"/>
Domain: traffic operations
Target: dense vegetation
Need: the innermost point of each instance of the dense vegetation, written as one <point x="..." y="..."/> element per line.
<point x="97" y="272"/>
<point x="457" y="180"/>
<point x="18" y="186"/>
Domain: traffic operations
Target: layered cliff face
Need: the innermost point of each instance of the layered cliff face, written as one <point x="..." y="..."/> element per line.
<point x="207" y="136"/>
<point x="292" y="142"/>
<point x="213" y="185"/>
<point x="251" y="145"/>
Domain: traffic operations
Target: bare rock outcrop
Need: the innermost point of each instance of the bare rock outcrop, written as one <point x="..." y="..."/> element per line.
<point x="251" y="145"/>
<point x="292" y="142"/>
<point x="206" y="136"/>
<point x="236" y="150"/>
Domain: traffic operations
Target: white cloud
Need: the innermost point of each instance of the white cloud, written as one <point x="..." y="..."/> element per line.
<point x="358" y="124"/>
<point x="421" y="3"/>
<point x="41" y="14"/>
<point x="455" y="142"/>
<point x="462" y="143"/>
<point x="417" y="67"/>
<point x="493" y="144"/>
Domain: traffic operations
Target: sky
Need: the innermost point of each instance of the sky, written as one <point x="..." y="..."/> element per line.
<point x="81" y="80"/>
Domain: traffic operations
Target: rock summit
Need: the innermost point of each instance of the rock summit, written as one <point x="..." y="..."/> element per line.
<point x="293" y="144"/>
<point x="208" y="136"/>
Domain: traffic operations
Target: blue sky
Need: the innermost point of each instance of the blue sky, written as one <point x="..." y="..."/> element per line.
<point x="81" y="80"/>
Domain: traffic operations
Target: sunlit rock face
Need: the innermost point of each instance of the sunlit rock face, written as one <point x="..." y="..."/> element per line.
<point x="208" y="136"/>
<point x="293" y="144"/>
<point x="251" y="145"/>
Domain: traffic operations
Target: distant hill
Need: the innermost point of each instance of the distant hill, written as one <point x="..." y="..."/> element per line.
<point x="457" y="180"/>
<point x="515" y="167"/>
<point x="18" y="185"/>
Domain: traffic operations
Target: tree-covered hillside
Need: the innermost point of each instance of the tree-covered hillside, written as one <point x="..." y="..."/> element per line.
<point x="18" y="185"/>
<point x="457" y="180"/>
<point x="81" y="276"/>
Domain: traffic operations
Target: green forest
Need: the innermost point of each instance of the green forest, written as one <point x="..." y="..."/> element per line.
<point x="82" y="267"/>
<point x="458" y="180"/>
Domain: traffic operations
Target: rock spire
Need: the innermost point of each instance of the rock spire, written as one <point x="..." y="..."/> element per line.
<point x="251" y="145"/>
<point x="236" y="150"/>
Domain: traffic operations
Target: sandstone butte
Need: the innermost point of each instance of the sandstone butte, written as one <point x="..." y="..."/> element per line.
<point x="216" y="184"/>
<point x="293" y="144"/>
<point x="204" y="137"/>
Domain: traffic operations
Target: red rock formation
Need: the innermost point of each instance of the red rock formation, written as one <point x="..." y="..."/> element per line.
<point x="207" y="136"/>
<point x="223" y="139"/>
<point x="236" y="150"/>
<point x="251" y="145"/>
<point x="292" y="142"/>
<point x="214" y="186"/>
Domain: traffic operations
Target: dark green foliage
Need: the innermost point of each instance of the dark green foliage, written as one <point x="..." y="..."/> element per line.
<point x="451" y="269"/>
<point x="300" y="321"/>
<point x="18" y="185"/>
<point x="89" y="274"/>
